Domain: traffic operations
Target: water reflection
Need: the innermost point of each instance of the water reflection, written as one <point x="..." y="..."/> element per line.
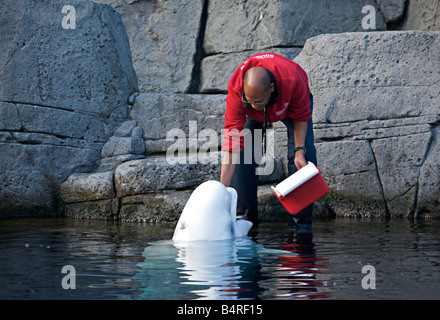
<point x="298" y="276"/>
<point x="232" y="269"/>
<point x="327" y="264"/>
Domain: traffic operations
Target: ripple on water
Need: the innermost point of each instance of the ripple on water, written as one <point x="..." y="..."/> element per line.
<point x="126" y="261"/>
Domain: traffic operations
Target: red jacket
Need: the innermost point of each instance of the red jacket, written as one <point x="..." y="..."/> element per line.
<point x="290" y="98"/>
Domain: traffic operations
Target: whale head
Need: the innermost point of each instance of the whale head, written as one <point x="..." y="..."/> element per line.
<point x="211" y="214"/>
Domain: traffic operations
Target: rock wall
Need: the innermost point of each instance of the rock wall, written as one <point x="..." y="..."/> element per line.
<point x="163" y="39"/>
<point x="156" y="188"/>
<point x="68" y="112"/>
<point x="376" y="120"/>
<point x="376" y="123"/>
<point x="194" y="46"/>
<point x="63" y="92"/>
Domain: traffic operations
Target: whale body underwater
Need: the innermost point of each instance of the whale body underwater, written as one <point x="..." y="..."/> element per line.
<point x="211" y="214"/>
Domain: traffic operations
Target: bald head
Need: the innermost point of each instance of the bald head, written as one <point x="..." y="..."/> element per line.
<point x="257" y="87"/>
<point x="256" y="78"/>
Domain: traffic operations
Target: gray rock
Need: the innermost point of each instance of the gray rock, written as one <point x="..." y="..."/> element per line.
<point x="32" y="173"/>
<point x="218" y="69"/>
<point x="158" y="173"/>
<point x="75" y="69"/>
<point x="392" y="10"/>
<point x="163" y="36"/>
<point x="399" y="162"/>
<point x="82" y="187"/>
<point x="22" y="188"/>
<point x="264" y="24"/>
<point x="422" y="15"/>
<point x="170" y="31"/>
<point x="111" y="163"/>
<point x="154" y="208"/>
<point x="125" y="129"/>
<point x="9" y="117"/>
<point x="161" y="206"/>
<point x="63" y="92"/>
<point x="93" y="210"/>
<point x="355" y="188"/>
<point x="66" y="123"/>
<point x="117" y="146"/>
<point x="126" y="144"/>
<point x="428" y="191"/>
<point x="158" y="114"/>
<point x="375" y="124"/>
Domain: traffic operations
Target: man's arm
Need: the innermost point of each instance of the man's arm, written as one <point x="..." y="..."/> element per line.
<point x="299" y="134"/>
<point x="228" y="167"/>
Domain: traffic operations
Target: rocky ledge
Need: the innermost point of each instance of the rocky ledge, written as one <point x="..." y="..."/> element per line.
<point x="147" y="190"/>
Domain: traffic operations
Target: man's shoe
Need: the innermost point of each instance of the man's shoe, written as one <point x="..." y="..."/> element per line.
<point x="303" y="226"/>
<point x="293" y="223"/>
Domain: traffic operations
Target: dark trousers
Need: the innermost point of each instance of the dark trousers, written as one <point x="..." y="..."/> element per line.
<point x="245" y="180"/>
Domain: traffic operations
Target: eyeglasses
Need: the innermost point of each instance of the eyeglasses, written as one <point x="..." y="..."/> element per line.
<point x="243" y="99"/>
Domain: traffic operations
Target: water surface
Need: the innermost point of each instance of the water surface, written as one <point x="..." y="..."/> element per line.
<point x="138" y="261"/>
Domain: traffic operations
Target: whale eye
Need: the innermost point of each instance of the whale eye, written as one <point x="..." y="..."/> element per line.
<point x="182" y="225"/>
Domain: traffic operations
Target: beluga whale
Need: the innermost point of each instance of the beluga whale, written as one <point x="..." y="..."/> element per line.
<point x="211" y="214"/>
<point x="210" y="255"/>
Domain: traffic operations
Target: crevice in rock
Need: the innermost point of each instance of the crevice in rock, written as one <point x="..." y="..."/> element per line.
<point x="331" y="139"/>
<point x="253" y="50"/>
<point x="48" y="144"/>
<point x="117" y="201"/>
<point x="398" y="24"/>
<point x="287" y="46"/>
<point x="429" y="145"/>
<point x="19" y="117"/>
<point x="91" y="113"/>
<point x="387" y="211"/>
<point x="194" y="86"/>
<point x="66" y="141"/>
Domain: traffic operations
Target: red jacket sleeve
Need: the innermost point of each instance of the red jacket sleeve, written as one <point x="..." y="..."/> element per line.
<point x="235" y="119"/>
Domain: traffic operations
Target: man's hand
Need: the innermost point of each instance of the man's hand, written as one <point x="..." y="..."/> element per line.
<point x="300" y="159"/>
<point x="300" y="133"/>
<point x="228" y="167"/>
